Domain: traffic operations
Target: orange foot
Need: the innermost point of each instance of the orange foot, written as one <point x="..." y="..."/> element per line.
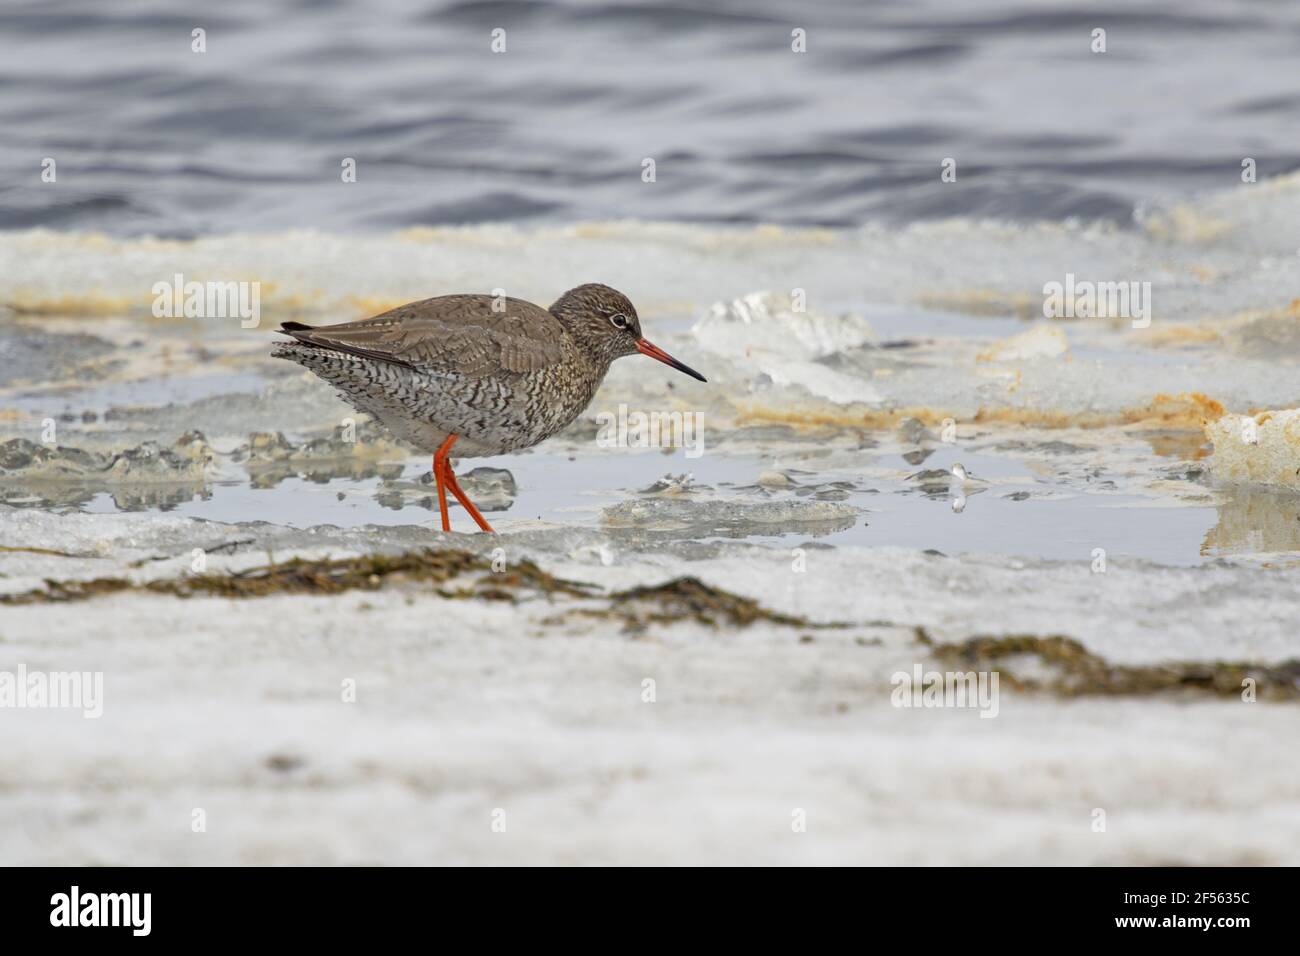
<point x="446" y="478"/>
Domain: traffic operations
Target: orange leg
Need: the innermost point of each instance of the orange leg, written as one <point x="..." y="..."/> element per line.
<point x="466" y="503"/>
<point x="439" y="469"/>
<point x="446" y="478"/>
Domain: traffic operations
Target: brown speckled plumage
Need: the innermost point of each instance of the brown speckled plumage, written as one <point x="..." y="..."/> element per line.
<point x="498" y="374"/>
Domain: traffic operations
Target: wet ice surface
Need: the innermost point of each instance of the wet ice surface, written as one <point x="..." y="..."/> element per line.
<point x="826" y="497"/>
<point x="1014" y="512"/>
<point x="1033" y="494"/>
<point x="1083" y="436"/>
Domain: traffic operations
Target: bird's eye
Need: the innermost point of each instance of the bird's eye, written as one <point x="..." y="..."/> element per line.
<point x="619" y="320"/>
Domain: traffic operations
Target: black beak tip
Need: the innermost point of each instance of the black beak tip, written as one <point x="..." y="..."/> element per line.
<point x="687" y="370"/>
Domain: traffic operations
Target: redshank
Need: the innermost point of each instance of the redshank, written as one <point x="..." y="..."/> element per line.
<point x="487" y="375"/>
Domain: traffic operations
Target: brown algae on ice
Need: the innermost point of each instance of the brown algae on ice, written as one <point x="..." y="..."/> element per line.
<point x="684" y="598"/>
<point x="689" y="598"/>
<point x="1074" y="670"/>
<point x="983" y="301"/>
<point x="327" y="576"/>
<point x="1191" y="410"/>
<point x="1078" y="672"/>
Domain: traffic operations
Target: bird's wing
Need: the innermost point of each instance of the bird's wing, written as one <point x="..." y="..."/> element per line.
<point x="460" y="334"/>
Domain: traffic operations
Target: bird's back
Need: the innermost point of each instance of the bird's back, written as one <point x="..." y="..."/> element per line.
<point x="471" y="335"/>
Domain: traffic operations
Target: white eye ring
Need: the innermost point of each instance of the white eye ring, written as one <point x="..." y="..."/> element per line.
<point x="619" y="320"/>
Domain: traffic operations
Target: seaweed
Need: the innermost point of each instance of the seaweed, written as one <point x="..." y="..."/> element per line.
<point x="1074" y="670"/>
<point x="1077" y="672"/>
<point x="325" y="576"/>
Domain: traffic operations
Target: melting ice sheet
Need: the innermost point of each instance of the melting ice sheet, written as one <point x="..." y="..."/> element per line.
<point x="843" y="361"/>
<point x="1093" y="507"/>
<point x="1050" y="502"/>
<point x="845" y="367"/>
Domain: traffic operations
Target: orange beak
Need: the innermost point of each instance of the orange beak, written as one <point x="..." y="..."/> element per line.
<point x="659" y="355"/>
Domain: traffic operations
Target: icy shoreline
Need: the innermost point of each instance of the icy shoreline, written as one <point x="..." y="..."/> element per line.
<point x="467" y="706"/>
<point x="151" y="470"/>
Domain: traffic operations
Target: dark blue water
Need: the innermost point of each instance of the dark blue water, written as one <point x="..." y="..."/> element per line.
<point x="150" y="137"/>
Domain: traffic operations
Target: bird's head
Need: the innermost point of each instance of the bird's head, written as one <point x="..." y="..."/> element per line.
<point x="605" y="323"/>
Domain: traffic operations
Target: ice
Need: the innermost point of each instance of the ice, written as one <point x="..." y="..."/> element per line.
<point x="775" y="339"/>
<point x="235" y="706"/>
<point x="915" y="352"/>
<point x="939" y="294"/>
<point x="27" y="461"/>
<point x="1040" y="341"/>
<point x="462" y="711"/>
<point x="677" y="513"/>
<point x="770" y="322"/>
<point x="492" y="489"/>
<point x="671" y="485"/>
<point x="1261" y="449"/>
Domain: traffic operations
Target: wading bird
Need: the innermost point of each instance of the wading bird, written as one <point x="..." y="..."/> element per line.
<point x="487" y="374"/>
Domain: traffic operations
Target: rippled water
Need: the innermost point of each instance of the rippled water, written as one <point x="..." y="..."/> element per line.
<point x="150" y="137"/>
